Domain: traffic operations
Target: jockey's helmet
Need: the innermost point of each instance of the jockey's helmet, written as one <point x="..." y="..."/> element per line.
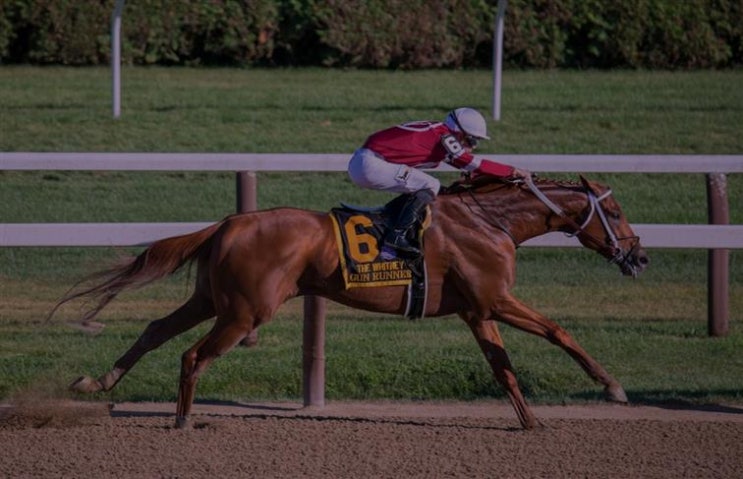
<point x="469" y="121"/>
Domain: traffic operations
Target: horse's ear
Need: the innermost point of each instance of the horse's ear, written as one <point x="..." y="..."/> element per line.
<point x="586" y="184"/>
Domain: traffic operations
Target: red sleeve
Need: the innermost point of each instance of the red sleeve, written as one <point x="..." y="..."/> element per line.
<point x="461" y="157"/>
<point x="493" y="168"/>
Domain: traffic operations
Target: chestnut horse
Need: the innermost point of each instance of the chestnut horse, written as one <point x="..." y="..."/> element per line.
<point x="249" y="264"/>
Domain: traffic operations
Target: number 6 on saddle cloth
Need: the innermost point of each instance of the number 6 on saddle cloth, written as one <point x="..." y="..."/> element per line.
<point x="359" y="233"/>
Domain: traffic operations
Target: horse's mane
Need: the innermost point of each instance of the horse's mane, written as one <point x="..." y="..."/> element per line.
<point x="485" y="184"/>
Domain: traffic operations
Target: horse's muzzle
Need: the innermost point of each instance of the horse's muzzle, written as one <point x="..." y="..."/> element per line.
<point x="632" y="262"/>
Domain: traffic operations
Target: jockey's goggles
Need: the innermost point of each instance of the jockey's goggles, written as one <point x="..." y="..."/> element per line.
<point x="471" y="141"/>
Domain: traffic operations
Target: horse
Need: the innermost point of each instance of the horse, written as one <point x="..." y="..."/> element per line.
<point x="249" y="264"/>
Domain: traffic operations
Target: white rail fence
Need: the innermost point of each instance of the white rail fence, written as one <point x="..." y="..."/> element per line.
<point x="717" y="237"/>
<point x="130" y="234"/>
<point x="142" y="234"/>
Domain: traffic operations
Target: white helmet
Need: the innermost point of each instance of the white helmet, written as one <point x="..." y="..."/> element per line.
<point x="469" y="121"/>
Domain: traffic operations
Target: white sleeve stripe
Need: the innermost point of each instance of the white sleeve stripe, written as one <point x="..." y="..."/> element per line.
<point x="473" y="165"/>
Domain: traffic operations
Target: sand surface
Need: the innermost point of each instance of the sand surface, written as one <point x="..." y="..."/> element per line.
<point x="47" y="438"/>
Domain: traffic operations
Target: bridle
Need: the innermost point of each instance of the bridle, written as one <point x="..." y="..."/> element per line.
<point x="609" y="247"/>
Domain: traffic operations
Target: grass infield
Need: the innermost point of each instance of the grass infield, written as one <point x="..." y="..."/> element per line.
<point x="649" y="333"/>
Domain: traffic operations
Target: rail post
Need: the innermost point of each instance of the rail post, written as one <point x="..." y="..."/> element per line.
<point x="717" y="259"/>
<point x="246" y="183"/>
<point x="116" y="58"/>
<point x="247" y="191"/>
<point x="313" y="351"/>
<point x="498" y="57"/>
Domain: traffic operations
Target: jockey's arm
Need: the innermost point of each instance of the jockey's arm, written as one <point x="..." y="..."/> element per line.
<point x="493" y="168"/>
<point x="462" y="158"/>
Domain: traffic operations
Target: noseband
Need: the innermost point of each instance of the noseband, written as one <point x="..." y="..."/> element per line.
<point x="610" y="246"/>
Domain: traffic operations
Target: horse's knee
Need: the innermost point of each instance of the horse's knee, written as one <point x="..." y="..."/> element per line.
<point x="557" y="335"/>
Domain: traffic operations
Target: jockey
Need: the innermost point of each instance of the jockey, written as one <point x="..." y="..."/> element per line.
<point x="393" y="159"/>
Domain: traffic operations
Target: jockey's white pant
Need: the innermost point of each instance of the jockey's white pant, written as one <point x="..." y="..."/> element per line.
<point x="368" y="170"/>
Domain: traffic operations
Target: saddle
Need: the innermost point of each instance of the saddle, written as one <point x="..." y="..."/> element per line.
<point x="359" y="233"/>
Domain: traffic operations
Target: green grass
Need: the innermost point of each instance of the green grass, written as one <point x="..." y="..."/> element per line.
<point x="322" y="111"/>
<point x="373" y="357"/>
<point x="650" y="333"/>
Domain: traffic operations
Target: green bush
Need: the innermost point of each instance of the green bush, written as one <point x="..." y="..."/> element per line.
<point x="624" y="33"/>
<point x="402" y="33"/>
<point x="7" y="32"/>
<point x="408" y="34"/>
<point x="68" y="32"/>
<point x="77" y="32"/>
<point x="536" y="33"/>
<point x="192" y="32"/>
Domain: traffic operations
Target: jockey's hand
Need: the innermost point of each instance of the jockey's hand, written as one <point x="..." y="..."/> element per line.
<point x="520" y="174"/>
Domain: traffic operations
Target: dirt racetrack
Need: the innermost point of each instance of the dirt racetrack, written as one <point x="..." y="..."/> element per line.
<point x="358" y="440"/>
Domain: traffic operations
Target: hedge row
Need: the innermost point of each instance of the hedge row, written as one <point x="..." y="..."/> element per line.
<point x="378" y="33"/>
<point x="626" y="33"/>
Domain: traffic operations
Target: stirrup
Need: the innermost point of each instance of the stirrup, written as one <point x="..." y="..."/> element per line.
<point x="388" y="253"/>
<point x="398" y="247"/>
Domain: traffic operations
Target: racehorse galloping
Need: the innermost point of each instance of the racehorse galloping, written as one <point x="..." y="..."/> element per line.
<point x="249" y="264"/>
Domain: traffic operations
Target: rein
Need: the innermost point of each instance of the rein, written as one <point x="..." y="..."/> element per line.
<point x="495" y="221"/>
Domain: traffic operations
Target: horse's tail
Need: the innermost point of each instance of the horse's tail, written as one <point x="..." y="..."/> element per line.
<point x="162" y="258"/>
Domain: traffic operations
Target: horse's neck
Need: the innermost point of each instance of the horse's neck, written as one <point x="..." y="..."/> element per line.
<point x="521" y="213"/>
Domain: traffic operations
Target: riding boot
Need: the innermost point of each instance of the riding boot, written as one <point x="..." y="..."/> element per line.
<point x="395" y="243"/>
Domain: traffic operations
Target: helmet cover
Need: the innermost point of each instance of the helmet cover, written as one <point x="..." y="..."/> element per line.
<point x="469" y="121"/>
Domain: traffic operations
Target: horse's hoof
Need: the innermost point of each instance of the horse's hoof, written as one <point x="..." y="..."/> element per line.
<point x="530" y="425"/>
<point x="86" y="384"/>
<point x="182" y="422"/>
<point x="615" y="393"/>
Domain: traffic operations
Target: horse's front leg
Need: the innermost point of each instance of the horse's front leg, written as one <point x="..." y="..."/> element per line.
<point x="196" y="310"/>
<point x="511" y="311"/>
<point x="491" y="343"/>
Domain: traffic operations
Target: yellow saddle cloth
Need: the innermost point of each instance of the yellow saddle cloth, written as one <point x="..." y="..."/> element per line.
<point x="359" y="234"/>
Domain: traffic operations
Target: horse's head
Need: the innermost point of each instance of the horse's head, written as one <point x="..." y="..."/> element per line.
<point x="605" y="229"/>
<point x="599" y="224"/>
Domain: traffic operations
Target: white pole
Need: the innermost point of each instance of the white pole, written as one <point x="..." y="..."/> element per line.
<point x="116" y="56"/>
<point x="498" y="57"/>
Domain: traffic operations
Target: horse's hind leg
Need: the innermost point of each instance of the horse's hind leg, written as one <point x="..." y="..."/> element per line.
<point x="196" y="310"/>
<point x="491" y="343"/>
<point x="224" y="336"/>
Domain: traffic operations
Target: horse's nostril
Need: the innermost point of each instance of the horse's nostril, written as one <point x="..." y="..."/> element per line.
<point x="643" y="260"/>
